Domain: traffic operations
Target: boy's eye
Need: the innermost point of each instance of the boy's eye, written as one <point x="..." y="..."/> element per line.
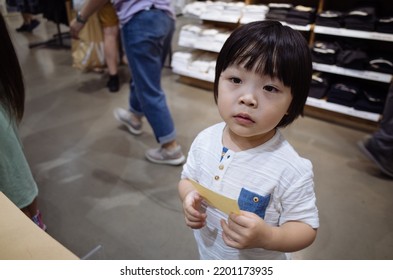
<point x="270" y="89"/>
<point x="235" y="80"/>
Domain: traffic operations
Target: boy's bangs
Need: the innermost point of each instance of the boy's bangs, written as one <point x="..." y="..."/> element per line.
<point x="258" y="58"/>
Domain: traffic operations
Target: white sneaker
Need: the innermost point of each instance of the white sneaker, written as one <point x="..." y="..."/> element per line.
<point x="164" y="156"/>
<point x="124" y="117"/>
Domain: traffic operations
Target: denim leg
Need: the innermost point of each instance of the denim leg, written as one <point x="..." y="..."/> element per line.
<point x="382" y="141"/>
<point x="146" y="38"/>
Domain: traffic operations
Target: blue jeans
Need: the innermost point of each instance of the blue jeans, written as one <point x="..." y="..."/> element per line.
<point x="147" y="39"/>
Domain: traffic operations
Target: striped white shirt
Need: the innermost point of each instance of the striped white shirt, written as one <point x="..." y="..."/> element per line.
<point x="273" y="168"/>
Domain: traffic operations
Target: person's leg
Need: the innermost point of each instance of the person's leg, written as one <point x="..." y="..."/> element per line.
<point x="384" y="136"/>
<point x="25" y="25"/>
<point x="111" y="48"/>
<point x="379" y="148"/>
<point x="166" y="49"/>
<point x="34" y="214"/>
<point x="144" y="46"/>
<point x="27" y="9"/>
<point x="145" y="39"/>
<point x="27" y="18"/>
<point x="27" y="21"/>
<point x="111" y="51"/>
<point x="110" y="25"/>
<point x="31" y="209"/>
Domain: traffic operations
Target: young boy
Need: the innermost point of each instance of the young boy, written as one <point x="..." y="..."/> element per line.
<point x="263" y="73"/>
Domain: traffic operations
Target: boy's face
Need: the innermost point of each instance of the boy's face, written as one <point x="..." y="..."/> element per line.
<point x="251" y="105"/>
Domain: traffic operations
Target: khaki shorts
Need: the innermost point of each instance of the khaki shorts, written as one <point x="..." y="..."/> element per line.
<point x="107" y="16"/>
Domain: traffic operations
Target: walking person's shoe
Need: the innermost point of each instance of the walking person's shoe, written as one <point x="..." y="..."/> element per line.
<point x="113" y="83"/>
<point x="366" y="147"/>
<point x="23" y="28"/>
<point x="33" y="24"/>
<point x="165" y="156"/>
<point x="125" y="117"/>
<point x="28" y="27"/>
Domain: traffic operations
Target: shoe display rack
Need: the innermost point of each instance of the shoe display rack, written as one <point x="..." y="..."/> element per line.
<point x="207" y="46"/>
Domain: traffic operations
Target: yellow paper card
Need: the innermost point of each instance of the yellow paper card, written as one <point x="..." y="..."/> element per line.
<point x="223" y="203"/>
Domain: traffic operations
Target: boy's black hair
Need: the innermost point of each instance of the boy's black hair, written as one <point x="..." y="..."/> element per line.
<point x="271" y="49"/>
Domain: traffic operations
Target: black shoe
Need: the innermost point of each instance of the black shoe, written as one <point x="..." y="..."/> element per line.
<point x="33" y="24"/>
<point x="28" y="27"/>
<point x="23" y="28"/>
<point x="113" y="83"/>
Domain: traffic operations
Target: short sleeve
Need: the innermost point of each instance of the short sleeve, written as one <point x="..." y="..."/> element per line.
<point x="298" y="202"/>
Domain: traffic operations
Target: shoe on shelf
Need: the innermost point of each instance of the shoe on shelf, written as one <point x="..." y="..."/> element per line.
<point x="366" y="148"/>
<point x="124" y="117"/>
<point x="33" y="24"/>
<point x="165" y="156"/>
<point x="113" y="83"/>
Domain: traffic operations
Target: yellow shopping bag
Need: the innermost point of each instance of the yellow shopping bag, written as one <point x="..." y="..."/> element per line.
<point x="88" y="51"/>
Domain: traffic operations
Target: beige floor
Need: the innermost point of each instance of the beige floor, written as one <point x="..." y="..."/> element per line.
<point x="96" y="189"/>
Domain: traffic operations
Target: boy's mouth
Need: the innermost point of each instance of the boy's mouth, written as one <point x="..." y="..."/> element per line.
<point x="244" y="118"/>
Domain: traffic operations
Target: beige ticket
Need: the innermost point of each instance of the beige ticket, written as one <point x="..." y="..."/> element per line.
<point x="223" y="203"/>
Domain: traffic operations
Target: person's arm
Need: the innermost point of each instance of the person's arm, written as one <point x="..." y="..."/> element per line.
<point x="191" y="205"/>
<point x="250" y="231"/>
<point x="89" y="8"/>
<point x="292" y="236"/>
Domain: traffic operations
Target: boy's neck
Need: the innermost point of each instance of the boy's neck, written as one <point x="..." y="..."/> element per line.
<point x="238" y="143"/>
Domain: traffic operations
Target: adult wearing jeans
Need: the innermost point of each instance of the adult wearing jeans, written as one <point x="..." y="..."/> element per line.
<point x="379" y="147"/>
<point x="147" y="28"/>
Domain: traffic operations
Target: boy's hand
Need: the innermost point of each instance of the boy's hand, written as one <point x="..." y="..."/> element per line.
<point x="246" y="231"/>
<point x="191" y="206"/>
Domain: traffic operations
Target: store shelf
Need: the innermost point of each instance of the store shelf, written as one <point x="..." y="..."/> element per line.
<point x="186" y="43"/>
<point x="367" y="75"/>
<point x="222" y="18"/>
<point x="353" y="33"/>
<point x="211" y="47"/>
<point x="315" y="107"/>
<point x="297" y="27"/>
<point x="195" y="75"/>
<point x="323" y="104"/>
<point x="318" y="103"/>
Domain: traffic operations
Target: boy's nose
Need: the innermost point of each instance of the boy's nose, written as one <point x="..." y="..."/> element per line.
<point x="248" y="100"/>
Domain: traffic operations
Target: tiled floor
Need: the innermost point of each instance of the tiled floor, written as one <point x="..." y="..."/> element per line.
<point x="96" y="188"/>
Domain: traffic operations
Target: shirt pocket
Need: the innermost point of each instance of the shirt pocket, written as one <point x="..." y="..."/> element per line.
<point x="253" y="202"/>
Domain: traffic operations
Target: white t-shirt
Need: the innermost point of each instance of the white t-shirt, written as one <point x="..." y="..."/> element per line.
<point x="271" y="180"/>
